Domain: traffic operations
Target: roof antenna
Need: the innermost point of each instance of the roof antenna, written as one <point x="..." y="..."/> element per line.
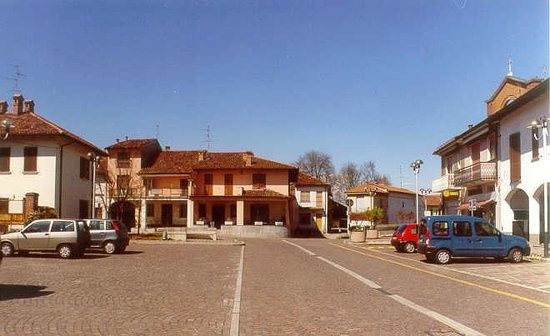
<point x="544" y="71"/>
<point x="510" y="73"/>
<point x="208" y="137"/>
<point x="157" y="131"/>
<point x="16" y="78"/>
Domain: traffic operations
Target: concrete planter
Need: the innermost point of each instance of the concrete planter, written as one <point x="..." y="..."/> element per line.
<point x="228" y="222"/>
<point x="372" y="234"/>
<point x="357" y="236"/>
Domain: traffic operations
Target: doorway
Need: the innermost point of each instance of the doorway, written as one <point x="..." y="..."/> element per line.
<point x="218" y="215"/>
<point x="166" y="215"/>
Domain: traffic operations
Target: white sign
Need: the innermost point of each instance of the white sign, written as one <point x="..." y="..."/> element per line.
<point x="473" y="204"/>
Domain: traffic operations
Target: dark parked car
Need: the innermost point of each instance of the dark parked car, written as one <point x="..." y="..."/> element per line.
<point x="68" y="237"/>
<point x="109" y="234"/>
<point x="448" y="237"/>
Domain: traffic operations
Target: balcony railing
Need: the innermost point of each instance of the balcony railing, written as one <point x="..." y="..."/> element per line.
<point x="478" y="172"/>
<point x="167" y="192"/>
<point x="443" y="183"/>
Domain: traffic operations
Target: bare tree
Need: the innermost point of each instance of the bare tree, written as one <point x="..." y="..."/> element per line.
<point x="317" y="164"/>
<point x="369" y="173"/>
<point x="349" y="176"/>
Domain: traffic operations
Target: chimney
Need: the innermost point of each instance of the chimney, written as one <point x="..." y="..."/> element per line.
<point x="247" y="157"/>
<point x="117" y="140"/>
<point x="17" y="107"/>
<point x="166" y="148"/>
<point x="470" y="126"/>
<point x="202" y="155"/>
<point x="28" y="106"/>
<point x="126" y="138"/>
<point x="3" y="107"/>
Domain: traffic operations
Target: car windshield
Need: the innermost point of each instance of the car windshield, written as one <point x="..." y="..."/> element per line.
<point x="401" y="228"/>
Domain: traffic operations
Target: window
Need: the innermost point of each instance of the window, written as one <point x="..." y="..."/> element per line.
<point x="123" y="160"/>
<point x="4" y="206"/>
<point x="5" y="154"/>
<point x="184" y="185"/>
<point x="485" y="229"/>
<point x="208" y="181"/>
<point x="440" y="229"/>
<point x="62" y="226"/>
<point x="475" y="151"/>
<point x="534" y="143"/>
<point x="84" y="168"/>
<point x="258" y="181"/>
<point x="319" y="199"/>
<point x="83" y="208"/>
<point x="304" y="196"/>
<point x="38" y="227"/>
<point x="123" y="182"/>
<point x="228" y="181"/>
<point x="183" y="210"/>
<point x="462" y="229"/>
<point x="30" y="154"/>
<point x="515" y="157"/>
<point x="150" y="210"/>
<point x="95" y="225"/>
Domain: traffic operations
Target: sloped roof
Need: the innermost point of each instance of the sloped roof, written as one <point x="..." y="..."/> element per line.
<point x="32" y="124"/>
<point x="510" y="79"/>
<point x="381" y="188"/>
<point x="307" y="180"/>
<point x="432" y="199"/>
<point x="237" y="160"/>
<point x="173" y="162"/>
<point x="262" y="193"/>
<point x="132" y="143"/>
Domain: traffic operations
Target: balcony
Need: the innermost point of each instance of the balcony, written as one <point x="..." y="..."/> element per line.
<point x="476" y="174"/>
<point x="167" y="193"/>
<point x="443" y="183"/>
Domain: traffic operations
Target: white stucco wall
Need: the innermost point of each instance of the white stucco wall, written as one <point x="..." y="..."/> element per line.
<point x="532" y="171"/>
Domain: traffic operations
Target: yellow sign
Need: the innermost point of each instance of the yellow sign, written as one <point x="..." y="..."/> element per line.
<point x="450" y="193"/>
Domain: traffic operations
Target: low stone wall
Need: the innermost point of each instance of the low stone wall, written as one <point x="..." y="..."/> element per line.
<point x="254" y="231"/>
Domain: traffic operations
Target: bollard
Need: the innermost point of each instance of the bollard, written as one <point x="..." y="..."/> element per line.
<point x="165" y="235"/>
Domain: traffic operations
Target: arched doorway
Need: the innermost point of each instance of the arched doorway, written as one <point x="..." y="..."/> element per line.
<point x="519" y="203"/>
<point x="539" y="198"/>
<point x="125" y="212"/>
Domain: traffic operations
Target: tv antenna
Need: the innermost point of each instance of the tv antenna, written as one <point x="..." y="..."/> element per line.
<point x="208" y="137"/>
<point x="157" y="131"/>
<point x="16" y="78"/>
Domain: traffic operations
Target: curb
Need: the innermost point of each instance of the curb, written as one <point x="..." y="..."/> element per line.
<point x="218" y="242"/>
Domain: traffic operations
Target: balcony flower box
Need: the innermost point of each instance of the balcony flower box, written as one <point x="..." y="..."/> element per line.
<point x="199" y="222"/>
<point x="279" y="223"/>
<point x="228" y="222"/>
<point x="258" y="223"/>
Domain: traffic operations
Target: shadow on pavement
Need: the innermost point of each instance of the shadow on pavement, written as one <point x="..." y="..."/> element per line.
<point x="39" y="255"/>
<point x="307" y="233"/>
<point x="12" y="292"/>
<point x="99" y="251"/>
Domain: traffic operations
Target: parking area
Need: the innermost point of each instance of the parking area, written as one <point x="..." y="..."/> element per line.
<point x="144" y="291"/>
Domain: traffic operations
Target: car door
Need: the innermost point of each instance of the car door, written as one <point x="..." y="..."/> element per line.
<point x="36" y="236"/>
<point x="97" y="231"/>
<point x="462" y="238"/>
<point x="62" y="232"/>
<point x="487" y="241"/>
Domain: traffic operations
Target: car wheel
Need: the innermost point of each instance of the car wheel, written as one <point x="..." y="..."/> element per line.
<point x="65" y="251"/>
<point x="109" y="247"/>
<point x="409" y="247"/>
<point x="7" y="249"/>
<point x="443" y="257"/>
<point x="515" y="255"/>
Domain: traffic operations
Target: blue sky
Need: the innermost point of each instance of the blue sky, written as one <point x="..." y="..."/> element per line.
<point x="387" y="81"/>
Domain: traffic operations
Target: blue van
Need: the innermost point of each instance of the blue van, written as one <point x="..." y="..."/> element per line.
<point x="446" y="237"/>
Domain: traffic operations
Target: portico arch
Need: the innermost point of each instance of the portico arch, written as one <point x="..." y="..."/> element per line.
<point x="519" y="204"/>
<point x="539" y="199"/>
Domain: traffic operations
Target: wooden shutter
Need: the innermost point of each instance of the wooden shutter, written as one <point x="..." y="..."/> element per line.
<point x="30" y="154"/>
<point x="5" y="154"/>
<point x="208" y="181"/>
<point x="515" y="158"/>
<point x="228" y="180"/>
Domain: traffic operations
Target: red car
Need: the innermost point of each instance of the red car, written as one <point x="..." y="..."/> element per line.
<point x="405" y="237"/>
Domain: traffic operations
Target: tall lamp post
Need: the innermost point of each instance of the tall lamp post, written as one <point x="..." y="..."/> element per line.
<point x="416" y="169"/>
<point x="542" y="123"/>
<point x="94" y="159"/>
<point x="5" y="127"/>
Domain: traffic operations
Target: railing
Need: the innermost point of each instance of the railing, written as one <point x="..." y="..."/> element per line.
<point x="167" y="192"/>
<point x="443" y="183"/>
<point x="478" y="172"/>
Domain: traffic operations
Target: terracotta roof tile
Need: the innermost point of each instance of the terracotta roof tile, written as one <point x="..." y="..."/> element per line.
<point x="132" y="143"/>
<point x="432" y="199"/>
<point x="237" y="160"/>
<point x="173" y="162"/>
<point x="380" y="188"/>
<point x="262" y="193"/>
<point x="32" y="124"/>
<point x="305" y="179"/>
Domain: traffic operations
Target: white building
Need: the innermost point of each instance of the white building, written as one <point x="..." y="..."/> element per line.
<point x="41" y="165"/>
<point x="312" y="209"/>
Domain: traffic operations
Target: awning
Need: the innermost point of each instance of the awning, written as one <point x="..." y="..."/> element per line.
<point x="483" y="204"/>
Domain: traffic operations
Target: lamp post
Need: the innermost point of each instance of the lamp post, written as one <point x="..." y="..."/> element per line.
<point x="5" y="127"/>
<point x="416" y="169"/>
<point x="94" y="159"/>
<point x="542" y="123"/>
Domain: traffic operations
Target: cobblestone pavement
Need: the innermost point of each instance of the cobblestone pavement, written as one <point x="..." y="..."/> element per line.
<point x="150" y="290"/>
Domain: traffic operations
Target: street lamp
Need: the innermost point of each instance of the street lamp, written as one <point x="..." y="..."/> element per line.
<point x="94" y="159"/>
<point x="416" y="169"/>
<point x="542" y="123"/>
<point x="5" y="127"/>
